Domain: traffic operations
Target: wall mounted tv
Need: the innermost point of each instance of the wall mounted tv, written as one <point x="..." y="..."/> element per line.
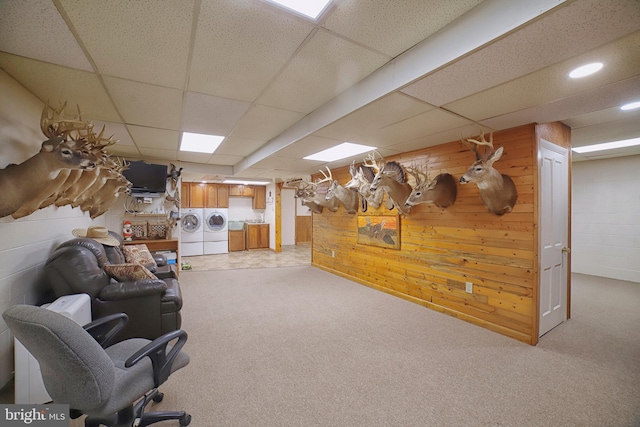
<point x="148" y="179"/>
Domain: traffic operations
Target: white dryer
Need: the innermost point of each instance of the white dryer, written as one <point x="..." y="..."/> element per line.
<point x="216" y="231"/>
<point x="191" y="231"/>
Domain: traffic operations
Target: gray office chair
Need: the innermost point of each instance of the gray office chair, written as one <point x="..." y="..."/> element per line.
<point x="110" y="385"/>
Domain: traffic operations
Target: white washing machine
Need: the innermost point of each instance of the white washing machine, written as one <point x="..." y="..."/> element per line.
<point x="216" y="231"/>
<point x="191" y="231"/>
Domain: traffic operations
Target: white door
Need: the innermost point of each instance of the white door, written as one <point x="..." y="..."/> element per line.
<point x="553" y="219"/>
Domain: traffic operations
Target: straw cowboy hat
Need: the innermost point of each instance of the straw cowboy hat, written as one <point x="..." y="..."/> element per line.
<point x="99" y="234"/>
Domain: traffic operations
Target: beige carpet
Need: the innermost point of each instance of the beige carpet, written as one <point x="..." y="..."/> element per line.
<point x="298" y="346"/>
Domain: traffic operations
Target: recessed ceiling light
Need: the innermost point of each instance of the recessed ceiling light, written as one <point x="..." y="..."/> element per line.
<point x="309" y="8"/>
<point x="340" y="151"/>
<point x="586" y="70"/>
<point x="630" y="106"/>
<point x="200" y="142"/>
<point x="608" y="145"/>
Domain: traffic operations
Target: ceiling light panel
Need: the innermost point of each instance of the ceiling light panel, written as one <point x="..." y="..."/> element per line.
<point x="608" y="146"/>
<point x="341" y="151"/>
<point x="200" y="143"/>
<point x="309" y="8"/>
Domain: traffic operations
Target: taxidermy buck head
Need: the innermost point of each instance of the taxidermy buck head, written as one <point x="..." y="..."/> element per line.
<point x="361" y="179"/>
<point x="392" y="178"/>
<point x="498" y="192"/>
<point x="442" y="191"/>
<point x="348" y="198"/>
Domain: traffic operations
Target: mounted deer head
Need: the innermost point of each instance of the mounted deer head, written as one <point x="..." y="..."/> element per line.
<point x="361" y="178"/>
<point x="442" y="191"/>
<point x="72" y="152"/>
<point x="348" y="198"/>
<point x="391" y="177"/>
<point x="498" y="192"/>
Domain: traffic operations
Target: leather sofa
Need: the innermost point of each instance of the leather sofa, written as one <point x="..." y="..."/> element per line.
<point x="152" y="305"/>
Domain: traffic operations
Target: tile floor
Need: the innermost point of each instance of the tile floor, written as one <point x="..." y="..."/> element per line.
<point x="293" y="255"/>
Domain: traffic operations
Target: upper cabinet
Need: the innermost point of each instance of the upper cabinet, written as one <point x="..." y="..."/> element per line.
<point x="198" y="195"/>
<point x="241" y="190"/>
<point x="259" y="197"/>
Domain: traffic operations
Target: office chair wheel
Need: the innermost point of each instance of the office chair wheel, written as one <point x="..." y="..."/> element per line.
<point x="158" y="397"/>
<point x="186" y="420"/>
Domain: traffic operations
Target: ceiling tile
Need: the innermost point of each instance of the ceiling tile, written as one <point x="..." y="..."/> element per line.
<point x="263" y="122"/>
<point x="576" y="28"/>
<point x="326" y="66"/>
<point x="599" y="98"/>
<point x="193" y="157"/>
<point x="36" y="30"/>
<point x="238" y="146"/>
<point x="621" y="58"/>
<point x="156" y="154"/>
<point x="145" y="104"/>
<point x="387" y="28"/>
<point x="161" y="139"/>
<point x="307" y="146"/>
<point x="129" y="152"/>
<point x="240" y="46"/>
<point x="61" y="84"/>
<point x="144" y="40"/>
<point x="224" y="159"/>
<point x="428" y="123"/>
<point x="211" y="114"/>
<point x="383" y="112"/>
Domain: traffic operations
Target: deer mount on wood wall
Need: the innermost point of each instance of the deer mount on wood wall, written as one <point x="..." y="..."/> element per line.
<point x="498" y="192"/>
<point x="442" y="191"/>
<point x="72" y="167"/>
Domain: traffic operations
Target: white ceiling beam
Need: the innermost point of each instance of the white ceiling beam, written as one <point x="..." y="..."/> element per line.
<point x="489" y="20"/>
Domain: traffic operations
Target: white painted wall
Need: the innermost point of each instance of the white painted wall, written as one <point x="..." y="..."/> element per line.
<point x="27" y="242"/>
<point x="606" y="218"/>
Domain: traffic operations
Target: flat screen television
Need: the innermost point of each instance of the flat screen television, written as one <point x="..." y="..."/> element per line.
<point x="147" y="179"/>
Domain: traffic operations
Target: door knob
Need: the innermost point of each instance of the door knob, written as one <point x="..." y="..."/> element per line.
<point x="566" y="250"/>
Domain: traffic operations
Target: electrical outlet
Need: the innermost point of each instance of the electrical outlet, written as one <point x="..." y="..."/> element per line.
<point x="333" y="254"/>
<point x="469" y="287"/>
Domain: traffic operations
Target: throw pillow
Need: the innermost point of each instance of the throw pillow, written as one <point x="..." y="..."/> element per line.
<point x="128" y="272"/>
<point x="138" y="254"/>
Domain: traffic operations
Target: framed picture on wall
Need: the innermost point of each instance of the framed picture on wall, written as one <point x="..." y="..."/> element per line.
<point x="379" y="230"/>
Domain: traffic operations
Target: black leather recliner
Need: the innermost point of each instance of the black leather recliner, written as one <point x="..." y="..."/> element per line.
<point x="152" y="305"/>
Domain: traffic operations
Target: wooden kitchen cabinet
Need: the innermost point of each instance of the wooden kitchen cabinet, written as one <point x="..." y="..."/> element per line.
<point x="196" y="195"/>
<point x="236" y="240"/>
<point x="184" y="195"/>
<point x="216" y="196"/>
<point x="259" y="197"/>
<point x="257" y="236"/>
<point x="241" y="190"/>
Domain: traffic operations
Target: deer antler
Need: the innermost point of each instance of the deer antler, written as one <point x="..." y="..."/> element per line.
<point x="482" y="140"/>
<point x="55" y="123"/>
<point x="421" y="176"/>
<point x="326" y="177"/>
<point x="372" y="163"/>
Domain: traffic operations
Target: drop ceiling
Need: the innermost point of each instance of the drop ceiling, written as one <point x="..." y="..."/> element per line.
<point x="397" y="75"/>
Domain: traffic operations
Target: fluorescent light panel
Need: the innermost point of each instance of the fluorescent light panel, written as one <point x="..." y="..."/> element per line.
<point x="200" y="142"/>
<point x="608" y="145"/>
<point x="245" y="182"/>
<point x="309" y="8"/>
<point x="340" y="151"/>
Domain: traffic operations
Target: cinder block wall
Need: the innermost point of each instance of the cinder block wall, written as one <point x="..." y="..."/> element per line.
<point x="26" y="243"/>
<point x="606" y="218"/>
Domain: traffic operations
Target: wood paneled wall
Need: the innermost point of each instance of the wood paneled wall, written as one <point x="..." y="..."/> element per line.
<point x="441" y="249"/>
